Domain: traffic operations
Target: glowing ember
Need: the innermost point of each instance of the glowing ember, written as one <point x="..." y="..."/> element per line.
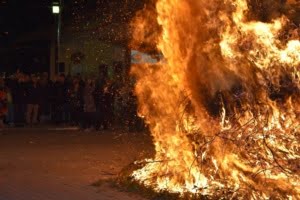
<point x="224" y="105"/>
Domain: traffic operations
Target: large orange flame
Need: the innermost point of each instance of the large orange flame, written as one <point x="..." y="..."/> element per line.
<point x="223" y="107"/>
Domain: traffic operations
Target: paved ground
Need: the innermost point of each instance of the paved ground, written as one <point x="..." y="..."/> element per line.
<point x="41" y="164"/>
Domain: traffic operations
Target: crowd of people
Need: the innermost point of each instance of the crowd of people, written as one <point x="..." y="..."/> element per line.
<point x="88" y="103"/>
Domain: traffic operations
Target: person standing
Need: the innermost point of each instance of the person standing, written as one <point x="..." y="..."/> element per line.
<point x="103" y="99"/>
<point x="10" y="108"/>
<point x="60" y="100"/>
<point x="89" y="104"/>
<point x="76" y="102"/>
<point x="33" y="95"/>
<point x="9" y="84"/>
<point x="18" y="86"/>
<point x="3" y="103"/>
<point x="45" y="87"/>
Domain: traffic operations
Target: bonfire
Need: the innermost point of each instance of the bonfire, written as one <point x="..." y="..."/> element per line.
<point x="223" y="105"/>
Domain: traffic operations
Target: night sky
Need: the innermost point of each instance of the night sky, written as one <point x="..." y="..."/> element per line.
<point x="18" y="17"/>
<point x="22" y="22"/>
<point x="21" y="16"/>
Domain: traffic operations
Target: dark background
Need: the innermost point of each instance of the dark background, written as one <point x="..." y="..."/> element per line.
<point x="22" y="22"/>
<point x="27" y="27"/>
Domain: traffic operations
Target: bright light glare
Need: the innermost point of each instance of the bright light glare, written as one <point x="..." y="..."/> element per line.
<point x="55" y="9"/>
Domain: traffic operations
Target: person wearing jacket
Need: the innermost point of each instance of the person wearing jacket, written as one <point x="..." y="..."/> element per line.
<point x="60" y="100"/>
<point x="3" y="103"/>
<point x="33" y="96"/>
<point x="89" y="117"/>
<point x="75" y="97"/>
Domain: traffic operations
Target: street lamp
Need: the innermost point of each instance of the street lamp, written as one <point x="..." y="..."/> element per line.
<point x="56" y="10"/>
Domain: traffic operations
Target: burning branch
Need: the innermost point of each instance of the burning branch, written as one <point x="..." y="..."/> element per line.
<point x="223" y="108"/>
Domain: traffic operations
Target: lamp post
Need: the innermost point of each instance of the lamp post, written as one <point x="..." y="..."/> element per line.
<point x="56" y="10"/>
